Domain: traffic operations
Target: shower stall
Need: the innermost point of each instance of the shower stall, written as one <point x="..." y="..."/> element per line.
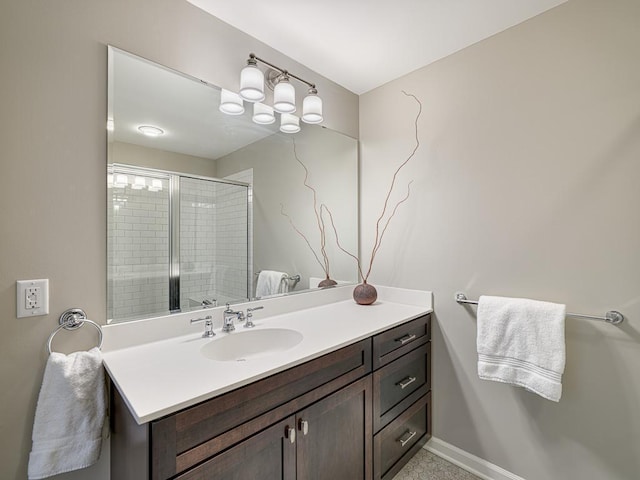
<point x="175" y="242"/>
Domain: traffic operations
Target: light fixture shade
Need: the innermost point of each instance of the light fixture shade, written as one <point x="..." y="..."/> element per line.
<point x="252" y="83"/>
<point x="263" y="114"/>
<point x="121" y="181"/>
<point x="231" y="103"/>
<point x="289" y="123"/>
<point x="139" y="183"/>
<point x="284" y="96"/>
<point x="312" y="108"/>
<point x="156" y="185"/>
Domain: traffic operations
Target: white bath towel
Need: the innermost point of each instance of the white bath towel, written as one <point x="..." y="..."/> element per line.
<point x="521" y="342"/>
<point x="67" y="430"/>
<point x="271" y="282"/>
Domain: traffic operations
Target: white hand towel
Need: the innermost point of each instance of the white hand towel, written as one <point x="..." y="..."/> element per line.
<point x="67" y="430"/>
<point x="271" y="282"/>
<point x="521" y="342"/>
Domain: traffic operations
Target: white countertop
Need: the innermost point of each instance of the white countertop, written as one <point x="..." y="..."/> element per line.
<point x="160" y="377"/>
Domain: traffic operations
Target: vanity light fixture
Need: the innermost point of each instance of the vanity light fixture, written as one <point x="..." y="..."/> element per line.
<point x="289" y="123"/>
<point x="139" y="183"/>
<point x="263" y="114"/>
<point x="231" y="103"/>
<point x="121" y="181"/>
<point x="252" y="81"/>
<point x="284" y="95"/>
<point x="150" y="130"/>
<point x="156" y="185"/>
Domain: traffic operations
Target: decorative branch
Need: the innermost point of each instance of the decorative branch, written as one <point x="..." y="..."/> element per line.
<point x="380" y="233"/>
<point x="335" y="231"/>
<point x="319" y="220"/>
<point x="324" y="264"/>
<point x="282" y="212"/>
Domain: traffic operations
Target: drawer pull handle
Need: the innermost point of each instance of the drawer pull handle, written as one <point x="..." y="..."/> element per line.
<point x="404" y="441"/>
<point x="406" y="382"/>
<point x="303" y="426"/>
<point x="406" y="339"/>
<point x="290" y="433"/>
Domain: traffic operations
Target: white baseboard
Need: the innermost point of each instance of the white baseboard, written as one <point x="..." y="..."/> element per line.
<point x="476" y="465"/>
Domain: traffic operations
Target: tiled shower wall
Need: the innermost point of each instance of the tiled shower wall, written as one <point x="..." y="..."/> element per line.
<point x="138" y="253"/>
<point x="213" y="247"/>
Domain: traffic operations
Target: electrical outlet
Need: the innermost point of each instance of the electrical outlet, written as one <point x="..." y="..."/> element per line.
<point x="32" y="297"/>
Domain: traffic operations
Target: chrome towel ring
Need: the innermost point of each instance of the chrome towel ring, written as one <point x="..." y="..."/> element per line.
<point x="73" y="319"/>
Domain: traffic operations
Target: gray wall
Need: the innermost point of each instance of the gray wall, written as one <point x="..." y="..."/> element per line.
<point x="278" y="179"/>
<point x="526" y="184"/>
<point x="53" y="97"/>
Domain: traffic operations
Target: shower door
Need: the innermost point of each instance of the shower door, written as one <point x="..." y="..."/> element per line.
<point x="175" y="242"/>
<point x="213" y="242"/>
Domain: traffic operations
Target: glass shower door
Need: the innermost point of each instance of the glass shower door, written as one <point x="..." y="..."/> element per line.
<point x="213" y="242"/>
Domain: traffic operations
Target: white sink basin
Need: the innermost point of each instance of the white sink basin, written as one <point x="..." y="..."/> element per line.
<point x="252" y="344"/>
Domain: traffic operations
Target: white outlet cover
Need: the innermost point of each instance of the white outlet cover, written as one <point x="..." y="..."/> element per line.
<point x="32" y="297"/>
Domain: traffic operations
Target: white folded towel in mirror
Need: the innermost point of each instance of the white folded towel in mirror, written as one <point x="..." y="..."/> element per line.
<point x="521" y="342"/>
<point x="70" y="414"/>
<point x="271" y="282"/>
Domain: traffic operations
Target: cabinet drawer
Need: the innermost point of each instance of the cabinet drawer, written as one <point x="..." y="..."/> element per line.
<point x="400" y="383"/>
<point x="397" y="442"/>
<point x="394" y="343"/>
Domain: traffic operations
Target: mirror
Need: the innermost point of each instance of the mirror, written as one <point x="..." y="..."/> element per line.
<point x="201" y="207"/>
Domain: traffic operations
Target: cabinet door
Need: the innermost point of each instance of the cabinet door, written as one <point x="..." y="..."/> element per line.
<point x="269" y="455"/>
<point x="334" y="436"/>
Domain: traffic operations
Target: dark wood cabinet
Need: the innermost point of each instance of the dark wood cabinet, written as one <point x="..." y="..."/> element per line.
<point x="335" y="436"/>
<point x="401" y="395"/>
<point x="269" y="454"/>
<point x="331" y="418"/>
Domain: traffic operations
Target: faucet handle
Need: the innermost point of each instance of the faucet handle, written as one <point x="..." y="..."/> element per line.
<point x="249" y="323"/>
<point x="208" y="325"/>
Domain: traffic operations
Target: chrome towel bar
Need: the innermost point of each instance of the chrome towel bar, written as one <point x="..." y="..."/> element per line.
<point x="612" y="316"/>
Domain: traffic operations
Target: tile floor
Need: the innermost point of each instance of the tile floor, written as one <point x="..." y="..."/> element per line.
<point x="427" y="466"/>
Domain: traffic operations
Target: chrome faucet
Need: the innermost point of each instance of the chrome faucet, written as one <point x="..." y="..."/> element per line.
<point x="229" y="316"/>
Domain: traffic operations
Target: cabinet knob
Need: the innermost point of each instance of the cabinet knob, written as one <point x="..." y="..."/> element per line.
<point x="303" y="426"/>
<point x="290" y="433"/>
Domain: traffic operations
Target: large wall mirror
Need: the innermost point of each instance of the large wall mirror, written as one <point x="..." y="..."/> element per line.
<point x="201" y="203"/>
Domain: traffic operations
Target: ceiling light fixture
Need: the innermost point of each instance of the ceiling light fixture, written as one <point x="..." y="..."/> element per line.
<point x="284" y="96"/>
<point x="150" y="130"/>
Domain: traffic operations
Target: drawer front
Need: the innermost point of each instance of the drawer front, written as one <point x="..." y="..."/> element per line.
<point x="400" y="383"/>
<point x="394" y="343"/>
<point x="397" y="442"/>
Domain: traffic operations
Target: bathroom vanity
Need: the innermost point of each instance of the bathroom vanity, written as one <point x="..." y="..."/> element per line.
<point x="350" y="400"/>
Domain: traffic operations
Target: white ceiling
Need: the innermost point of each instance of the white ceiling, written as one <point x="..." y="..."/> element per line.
<point x="362" y="44"/>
